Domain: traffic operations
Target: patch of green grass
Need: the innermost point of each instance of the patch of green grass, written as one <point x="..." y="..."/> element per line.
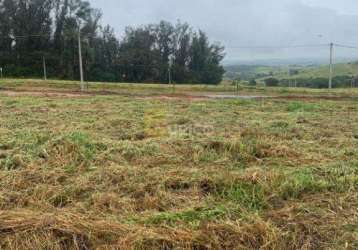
<point x="301" y="107"/>
<point x="191" y="216"/>
<point x="75" y="149"/>
<point x="10" y="103"/>
<point x="131" y="151"/>
<point x="311" y="181"/>
<point x="280" y="124"/>
<point x="247" y="195"/>
<point x="12" y="162"/>
<point x="301" y="182"/>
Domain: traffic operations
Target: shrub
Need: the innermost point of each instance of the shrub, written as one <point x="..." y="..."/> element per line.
<point x="272" y="82"/>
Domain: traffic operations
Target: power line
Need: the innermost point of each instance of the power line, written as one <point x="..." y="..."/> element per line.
<point x="278" y="46"/>
<point x="24" y="36"/>
<point x="345" y="46"/>
<point x="227" y="47"/>
<point x="38" y="35"/>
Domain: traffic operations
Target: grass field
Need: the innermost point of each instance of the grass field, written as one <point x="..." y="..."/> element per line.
<point x="138" y="167"/>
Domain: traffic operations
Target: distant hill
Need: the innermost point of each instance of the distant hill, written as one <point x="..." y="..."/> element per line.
<point x="285" y="62"/>
<point x="247" y="72"/>
<point x="342" y="69"/>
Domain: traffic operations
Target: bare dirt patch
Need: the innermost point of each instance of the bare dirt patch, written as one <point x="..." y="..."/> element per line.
<point x="12" y="93"/>
<point x="189" y="96"/>
<point x="175" y="97"/>
<point x="328" y="98"/>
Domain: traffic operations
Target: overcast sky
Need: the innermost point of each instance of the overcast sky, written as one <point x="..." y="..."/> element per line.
<point x="237" y="23"/>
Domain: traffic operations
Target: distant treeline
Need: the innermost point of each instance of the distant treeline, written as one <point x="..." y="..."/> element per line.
<point x="33" y="29"/>
<point x="343" y="81"/>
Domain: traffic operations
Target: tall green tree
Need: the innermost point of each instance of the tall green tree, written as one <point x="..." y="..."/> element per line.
<point x="182" y="52"/>
<point x="139" y="57"/>
<point x="148" y="52"/>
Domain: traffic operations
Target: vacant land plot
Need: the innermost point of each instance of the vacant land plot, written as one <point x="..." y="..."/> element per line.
<point x="122" y="171"/>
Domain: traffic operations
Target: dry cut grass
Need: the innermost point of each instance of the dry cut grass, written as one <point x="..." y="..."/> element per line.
<point x="123" y="172"/>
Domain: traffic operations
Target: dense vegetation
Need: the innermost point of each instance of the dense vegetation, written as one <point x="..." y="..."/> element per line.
<point x="33" y="29"/>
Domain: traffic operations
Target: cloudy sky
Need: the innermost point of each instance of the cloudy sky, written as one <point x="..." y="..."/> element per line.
<point x="250" y="23"/>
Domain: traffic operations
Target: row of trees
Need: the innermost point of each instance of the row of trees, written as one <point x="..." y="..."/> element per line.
<point x="33" y="29"/>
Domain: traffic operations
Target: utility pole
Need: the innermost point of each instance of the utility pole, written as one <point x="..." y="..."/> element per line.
<point x="170" y="75"/>
<point x="80" y="57"/>
<point x="330" y="65"/>
<point x="352" y="82"/>
<point x="44" y="66"/>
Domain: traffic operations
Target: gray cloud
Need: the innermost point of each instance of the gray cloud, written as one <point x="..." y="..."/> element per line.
<point x="249" y="23"/>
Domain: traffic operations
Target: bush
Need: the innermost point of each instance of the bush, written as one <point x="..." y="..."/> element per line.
<point x="252" y="82"/>
<point x="272" y="82"/>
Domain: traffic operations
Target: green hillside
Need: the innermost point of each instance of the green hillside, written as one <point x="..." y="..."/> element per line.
<point x="310" y="76"/>
<point x="342" y="69"/>
<point x="259" y="71"/>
